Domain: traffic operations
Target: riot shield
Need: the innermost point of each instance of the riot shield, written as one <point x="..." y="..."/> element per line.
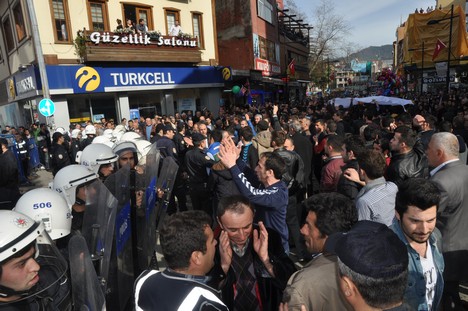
<point x="87" y="290"/>
<point x="146" y="177"/>
<point x="166" y="181"/>
<point x="98" y="226"/>
<point x="121" y="274"/>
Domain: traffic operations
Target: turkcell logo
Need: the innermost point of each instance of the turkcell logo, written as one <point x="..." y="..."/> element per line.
<point x="88" y="79"/>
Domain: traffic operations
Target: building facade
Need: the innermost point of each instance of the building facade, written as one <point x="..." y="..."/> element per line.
<point x="266" y="48"/>
<point x="93" y="67"/>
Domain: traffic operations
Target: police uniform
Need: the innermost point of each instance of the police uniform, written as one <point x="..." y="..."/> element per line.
<point x="60" y="158"/>
<point x="196" y="162"/>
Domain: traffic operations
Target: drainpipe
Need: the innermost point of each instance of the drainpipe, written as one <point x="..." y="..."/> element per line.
<point x="38" y="49"/>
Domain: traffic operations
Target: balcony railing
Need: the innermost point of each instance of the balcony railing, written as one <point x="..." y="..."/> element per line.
<point x="123" y="47"/>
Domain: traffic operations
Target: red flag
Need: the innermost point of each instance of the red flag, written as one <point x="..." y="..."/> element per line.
<point x="292" y="69"/>
<point x="243" y="90"/>
<point x="438" y="48"/>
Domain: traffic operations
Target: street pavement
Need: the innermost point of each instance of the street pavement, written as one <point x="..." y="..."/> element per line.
<point x="40" y="179"/>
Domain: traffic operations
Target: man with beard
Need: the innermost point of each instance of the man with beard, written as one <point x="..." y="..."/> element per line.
<point x="416" y="206"/>
<point x="315" y="287"/>
<point x="406" y="162"/>
<point x="263" y="186"/>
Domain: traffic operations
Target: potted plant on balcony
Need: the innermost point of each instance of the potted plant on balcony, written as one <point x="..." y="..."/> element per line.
<point x="154" y="35"/>
<point x="80" y="44"/>
<point x="124" y="31"/>
<point x="184" y="36"/>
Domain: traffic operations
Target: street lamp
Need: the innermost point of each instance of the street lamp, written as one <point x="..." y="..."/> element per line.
<point x="422" y="64"/>
<point x="436" y="21"/>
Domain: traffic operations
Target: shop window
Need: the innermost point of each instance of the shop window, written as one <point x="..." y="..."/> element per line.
<point x="8" y="34"/>
<point x="97" y="12"/>
<point x="19" y="22"/>
<point x="172" y="15"/>
<point x="198" y="29"/>
<point x="60" y="20"/>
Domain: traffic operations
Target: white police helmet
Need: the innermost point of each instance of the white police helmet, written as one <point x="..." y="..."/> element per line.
<point x="103" y="140"/>
<point x="69" y="178"/>
<point x="90" y="130"/>
<point x="60" y="130"/>
<point x="94" y="155"/>
<point x="46" y="205"/>
<point x="18" y="234"/>
<point x="131" y="136"/>
<point x="75" y="133"/>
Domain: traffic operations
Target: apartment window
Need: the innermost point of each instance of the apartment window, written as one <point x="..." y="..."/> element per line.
<point x="134" y="13"/>
<point x="19" y="22"/>
<point x="97" y="12"/>
<point x="8" y="34"/>
<point x="60" y="19"/>
<point x="198" y="29"/>
<point x="265" y="10"/>
<point x="172" y="15"/>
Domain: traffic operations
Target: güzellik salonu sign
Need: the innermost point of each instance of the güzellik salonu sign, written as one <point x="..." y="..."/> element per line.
<point x="140" y="39"/>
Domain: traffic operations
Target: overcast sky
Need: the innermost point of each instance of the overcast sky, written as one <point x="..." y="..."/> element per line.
<point x="372" y="22"/>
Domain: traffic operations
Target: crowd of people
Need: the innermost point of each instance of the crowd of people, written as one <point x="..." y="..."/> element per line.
<point x="371" y="201"/>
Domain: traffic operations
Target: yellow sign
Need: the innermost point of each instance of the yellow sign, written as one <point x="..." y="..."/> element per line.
<point x="78" y="120"/>
<point x="11" y="89"/>
<point x="88" y="78"/>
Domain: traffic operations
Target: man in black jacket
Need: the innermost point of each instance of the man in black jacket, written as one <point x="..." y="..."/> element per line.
<point x="251" y="267"/>
<point x="9" y="181"/>
<point x="406" y="161"/>
<point x="353" y="146"/>
<point x="59" y="156"/>
<point x="295" y="179"/>
<point x="303" y="147"/>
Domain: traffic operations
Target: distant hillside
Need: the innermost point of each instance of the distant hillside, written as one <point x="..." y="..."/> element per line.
<point x="371" y="53"/>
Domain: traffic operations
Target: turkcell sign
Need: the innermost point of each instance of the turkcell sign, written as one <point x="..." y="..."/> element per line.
<point x="142" y="78"/>
<point x="85" y="79"/>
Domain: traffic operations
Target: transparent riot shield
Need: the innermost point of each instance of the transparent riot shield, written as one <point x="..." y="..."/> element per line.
<point x="98" y="226"/>
<point x="121" y="274"/>
<point x="166" y="181"/>
<point x="146" y="177"/>
<point x="87" y="290"/>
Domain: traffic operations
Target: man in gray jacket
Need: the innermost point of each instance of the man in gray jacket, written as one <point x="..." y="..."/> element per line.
<point x="451" y="177"/>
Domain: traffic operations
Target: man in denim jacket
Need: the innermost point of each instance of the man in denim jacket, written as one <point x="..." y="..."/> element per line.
<point x="416" y="206"/>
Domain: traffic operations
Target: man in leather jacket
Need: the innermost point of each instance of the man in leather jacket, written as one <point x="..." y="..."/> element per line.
<point x="406" y="161"/>
<point x="295" y="180"/>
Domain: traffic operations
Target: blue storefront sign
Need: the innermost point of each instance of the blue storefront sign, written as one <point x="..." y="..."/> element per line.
<point x="24" y="84"/>
<point x="86" y="79"/>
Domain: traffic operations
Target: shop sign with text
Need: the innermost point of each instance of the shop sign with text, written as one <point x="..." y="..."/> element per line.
<point x="268" y="68"/>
